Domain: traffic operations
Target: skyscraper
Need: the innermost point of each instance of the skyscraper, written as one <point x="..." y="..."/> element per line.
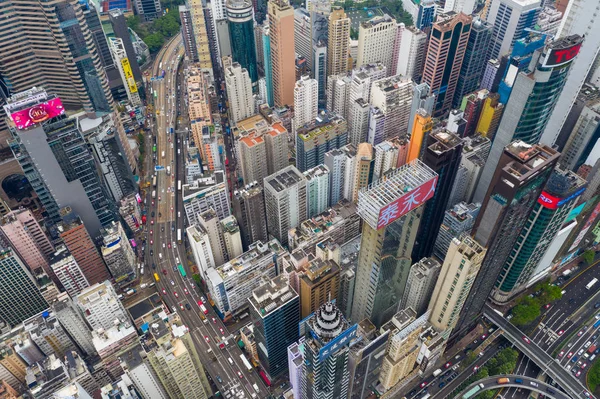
<point x="317" y="190"/>
<point x="393" y="96"/>
<point x="339" y="41"/>
<point x="117" y="252"/>
<point x="48" y="334"/>
<point x="319" y="68"/>
<point x="583" y="137"/>
<point x="275" y="313"/>
<point x="421" y="99"/>
<point x="285" y="200"/>
<point x="20" y="296"/>
<point x="362" y="171"/>
<point x="239" y="92"/>
<point x="376" y="41"/>
<point x="411" y="52"/>
<point x="457" y="220"/>
<point x="249" y="210"/>
<point x="253" y="156"/>
<point x="510" y="18"/>
<point x="117" y="49"/>
<point x="341" y="164"/>
<point x="100" y="306"/>
<point x="421" y="128"/>
<point x="281" y="32"/>
<point x="69" y="317"/>
<point x="444" y="61"/>
<point x="201" y="35"/>
<point x="390" y="222"/>
<point x="187" y="33"/>
<point x="241" y="33"/>
<point x="518" y="181"/>
<point x="266" y="40"/>
<point x="325" y="133"/>
<point x="121" y="31"/>
<point x="68" y="272"/>
<point x="442" y="155"/>
<point x="306" y="101"/>
<point x="318" y="285"/>
<point x="421" y="281"/>
<point x="532" y="100"/>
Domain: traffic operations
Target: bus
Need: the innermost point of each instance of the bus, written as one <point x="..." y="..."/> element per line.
<point x="160" y="65"/>
<point x="203" y="309"/>
<point x="246" y="362"/>
<point x="181" y="270"/>
<point x="154" y="148"/>
<point x="154" y="181"/>
<point x="156" y="277"/>
<point x="471" y="392"/>
<point x="596" y="324"/>
<point x="179" y="236"/>
<point x="591" y="283"/>
<point x="178" y="185"/>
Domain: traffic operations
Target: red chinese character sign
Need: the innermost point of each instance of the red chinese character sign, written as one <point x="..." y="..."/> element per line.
<point x="409" y="201"/>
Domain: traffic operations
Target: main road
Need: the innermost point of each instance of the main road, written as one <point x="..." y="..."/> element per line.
<point x="166" y="234"/>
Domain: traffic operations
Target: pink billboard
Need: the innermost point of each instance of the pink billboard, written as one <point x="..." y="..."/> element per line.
<point x="38" y="113"/>
<point x="409" y="201"/>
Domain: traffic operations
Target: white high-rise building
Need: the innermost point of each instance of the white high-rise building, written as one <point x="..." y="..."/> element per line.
<point x="100" y="306"/>
<point x="411" y="52"/>
<point x="69" y="317"/>
<point x="393" y="96"/>
<point x="510" y="19"/>
<point x="68" y="272"/>
<point x="239" y="92"/>
<point x="338" y="90"/>
<point x="582" y="17"/>
<point x="386" y="159"/>
<point x="376" y="41"/>
<point x="465" y="6"/>
<point x="117" y="252"/>
<point x="306" y="101"/>
<point x="200" y="245"/>
<point x="317" y="190"/>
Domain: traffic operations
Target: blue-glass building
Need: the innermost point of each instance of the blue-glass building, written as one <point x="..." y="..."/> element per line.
<point x="241" y="34"/>
<point x="266" y="39"/>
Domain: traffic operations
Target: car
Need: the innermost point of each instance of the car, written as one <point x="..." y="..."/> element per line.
<point x="207" y="339"/>
<point x="164" y="245"/>
<point x="151" y="232"/>
<point x="152" y="202"/>
<point x="547" y="306"/>
<point x="222" y="345"/>
<point x="483" y="337"/>
<point x="188" y="307"/>
<point x="159" y="197"/>
<point x="584" y="365"/>
<point x="164" y="271"/>
<point x="203" y="299"/>
<point x="152" y="222"/>
<point x="580" y="333"/>
<point x="152" y="214"/>
<point x="151" y="252"/>
<point x="214" y="320"/>
<point x="181" y="306"/>
<point x="169" y="245"/>
<point x="240" y="374"/>
<point x="219" y="379"/>
<point x="561" y="353"/>
<point x="172" y="209"/>
<point x="176" y="294"/>
<point x="442" y="384"/>
<point x="578" y="373"/>
<point x="448" y="365"/>
<point x="186" y="291"/>
<point x="172" y="283"/>
<point x="423" y="384"/>
<point x="164" y="291"/>
<point x="560" y="332"/>
<point x="527" y="340"/>
<point x="569" y="355"/>
<point x="475" y="369"/>
<point x="222" y="332"/>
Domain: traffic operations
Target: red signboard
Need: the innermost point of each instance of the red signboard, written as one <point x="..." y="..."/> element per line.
<point x="409" y="201"/>
<point x="560" y="56"/>
<point x="38" y="113"/>
<point x="548" y="201"/>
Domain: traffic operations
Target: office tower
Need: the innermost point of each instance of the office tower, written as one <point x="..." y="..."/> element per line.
<point x="340" y="163"/>
<point x="68" y="272"/>
<point x="229" y="284"/>
<point x="319" y="69"/>
<point x="241" y="32"/>
<point x="295" y="361"/>
<point x="72" y="72"/>
<point x="325" y="368"/>
<point x="421" y="99"/>
<point x="491" y="77"/>
<point x="457" y="220"/>
<point x="444" y="61"/>
<point x="318" y="285"/>
<point x="443" y="154"/>
<point x="411" y="52"/>
<point x="403" y="346"/>
<point x="147" y="9"/>
<point x="285" y="200"/>
<point x="100" y="306"/>
<point x="376" y="41"/>
<point x="461" y="267"/>
<point x="28" y="239"/>
<point x="365" y="359"/>
<point x="580" y="18"/>
<point x="113" y="342"/>
<point x="239" y="92"/>
<point x="559" y="197"/>
<point x="175" y="361"/>
<point x="275" y="313"/>
<point x="281" y="33"/>
<point x="201" y="250"/>
<point x="120" y="29"/>
<point x="339" y="40"/>
<point x="325" y="133"/>
<point x="475" y="154"/>
<point x="210" y="192"/>
<point x="474" y="62"/>
<point x="582" y="138"/>
<point x="532" y="101"/>
<point x="81" y="246"/>
<point x="117" y="252"/>
<point x="393" y="96"/>
<point x="306" y="101"/>
<point x="20" y="295"/>
<point x="377" y="121"/>
<point x="187" y="33"/>
<point x="117" y="49"/>
<point x="391" y="219"/>
<point x="303" y="41"/>
<point x="142" y="377"/>
<point x="420" y="283"/>
<point x="317" y="190"/>
<point x="362" y="170"/>
<point x="252" y="151"/>
<point x="58" y="149"/>
<point x="249" y="210"/>
<point x="422" y="126"/>
<point x="489" y="118"/>
<point x="518" y="181"/>
<point x="48" y="334"/>
<point x="69" y="317"/>
<point x="386" y="159"/>
<point x="510" y="19"/>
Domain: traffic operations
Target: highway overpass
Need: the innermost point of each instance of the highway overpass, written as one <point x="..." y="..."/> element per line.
<point x="547" y="364"/>
<point x="530" y="384"/>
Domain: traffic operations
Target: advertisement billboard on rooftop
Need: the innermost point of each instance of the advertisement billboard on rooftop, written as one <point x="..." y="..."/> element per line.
<point x="406" y="203"/>
<point x="38" y="113"/>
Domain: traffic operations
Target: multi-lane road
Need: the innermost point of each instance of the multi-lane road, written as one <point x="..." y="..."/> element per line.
<point x="165" y="217"/>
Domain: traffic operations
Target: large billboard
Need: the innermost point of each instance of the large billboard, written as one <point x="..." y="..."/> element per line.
<point x="562" y="55"/>
<point x="129" y="75"/>
<point x="38" y="113"/>
<point x="409" y="201"/>
<point x="552" y="202"/>
<point x="338" y="342"/>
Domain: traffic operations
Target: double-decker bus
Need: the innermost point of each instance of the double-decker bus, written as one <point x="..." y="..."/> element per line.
<point x="178" y="236"/>
<point x="246" y="362"/>
<point x="156" y="277"/>
<point x="181" y="270"/>
<point x="154" y="181"/>
<point x="178" y="185"/>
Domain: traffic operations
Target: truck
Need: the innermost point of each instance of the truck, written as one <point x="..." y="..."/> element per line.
<point x="437" y="372"/>
<point x="591" y="283"/>
<point x="567" y="273"/>
<point x="503" y="380"/>
<point x="130" y="292"/>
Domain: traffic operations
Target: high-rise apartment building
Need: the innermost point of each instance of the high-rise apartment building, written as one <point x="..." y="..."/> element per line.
<point x="48" y="334"/>
<point x="231" y="237"/>
<point x="68" y="315"/>
<point x="443" y="154"/>
<point x="249" y="210"/>
<point x="205" y="193"/>
<point x="209" y="222"/>
<point x="457" y="220"/>
<point x="317" y="190"/>
<point x="474" y="62"/>
<point x="117" y="252"/>
<point x="306" y="101"/>
<point x="376" y="41"/>
<point x="412" y="48"/>
<point x="444" y="61"/>
<point x="281" y="33"/>
<point x="275" y="313"/>
<point x="421" y="281"/>
<point x="303" y="35"/>
<point x="319" y="67"/>
<point x="285" y="201"/>
<point x="187" y="33"/>
<point x="20" y="296"/>
<point x="100" y="306"/>
<point x="201" y="250"/>
<point x="393" y="96"/>
<point x="461" y="267"/>
<point x="518" y="181"/>
<point x="421" y="99"/>
<point x="363" y="169"/>
<point x="68" y="272"/>
<point x="325" y="133"/>
<point x="386" y="159"/>
<point x="532" y="100"/>
<point x="252" y="151"/>
<point x="241" y="34"/>
<point x="341" y="164"/>
<point x="239" y="92"/>
<point x="390" y="222"/>
<point x="580" y="18"/>
<point x="490" y="115"/>
<point x="582" y="138"/>
<point x="81" y="246"/>
<point x="318" y="285"/>
<point x="510" y="18"/>
<point x="421" y="127"/>
<point x="339" y="41"/>
<point x="201" y="37"/>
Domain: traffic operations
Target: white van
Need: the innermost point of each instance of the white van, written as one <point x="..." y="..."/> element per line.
<point x="230" y="361"/>
<point x="160" y="255"/>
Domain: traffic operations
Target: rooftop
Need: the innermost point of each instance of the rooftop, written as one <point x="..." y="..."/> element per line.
<point x="317" y="171"/>
<point x="528" y="158"/>
<point x="324" y="122"/>
<point x="257" y="253"/>
<point x="285" y="178"/>
<point x="385" y="18"/>
<point x="272" y="295"/>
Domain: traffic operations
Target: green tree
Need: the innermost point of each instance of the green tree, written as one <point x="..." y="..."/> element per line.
<point x="588" y="256"/>
<point x="593" y="377"/>
<point x="154" y="41"/>
<point x="353" y="34"/>
<point x="526" y="311"/>
<point x="133" y="22"/>
<point x="550" y="293"/>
